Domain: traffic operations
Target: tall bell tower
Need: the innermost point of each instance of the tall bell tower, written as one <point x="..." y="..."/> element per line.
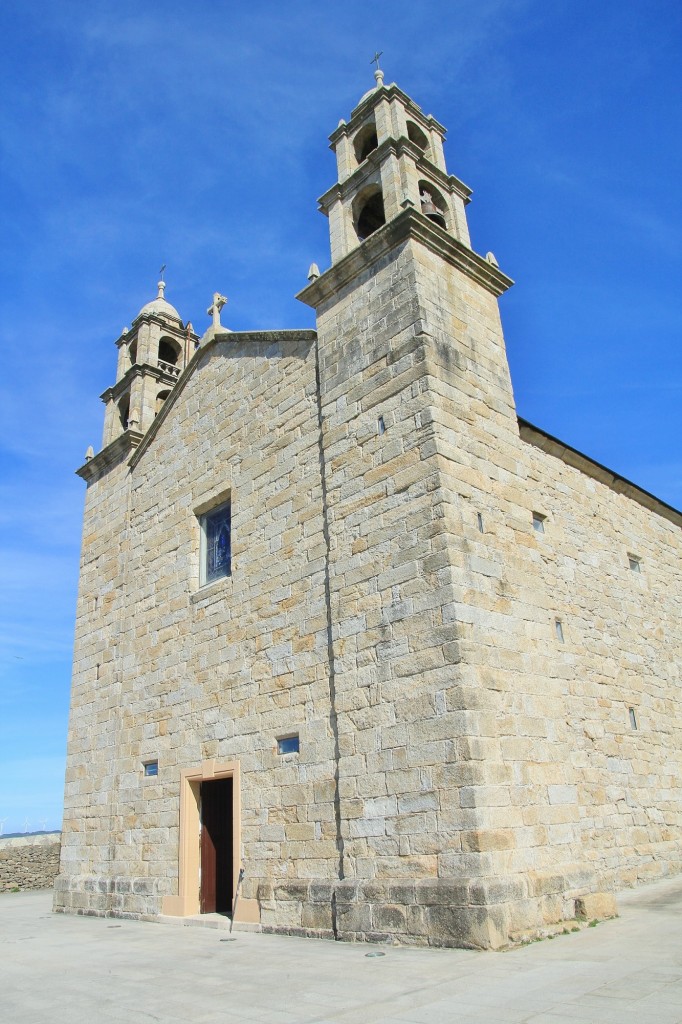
<point x="390" y="158"/>
<point x="419" y="428"/>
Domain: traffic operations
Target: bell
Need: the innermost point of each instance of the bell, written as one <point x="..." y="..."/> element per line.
<point x="430" y="210"/>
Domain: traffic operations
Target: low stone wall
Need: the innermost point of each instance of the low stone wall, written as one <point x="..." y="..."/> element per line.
<point x="29" y="862"/>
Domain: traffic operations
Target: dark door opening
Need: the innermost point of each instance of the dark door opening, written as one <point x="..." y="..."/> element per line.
<point x="216" y="847"/>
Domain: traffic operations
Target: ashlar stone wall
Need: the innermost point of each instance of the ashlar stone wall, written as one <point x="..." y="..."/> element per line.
<point x="465" y="774"/>
<point x="217" y="672"/>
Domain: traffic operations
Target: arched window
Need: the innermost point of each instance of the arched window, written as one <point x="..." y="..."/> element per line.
<point x="416" y="135"/>
<point x="160" y="399"/>
<point x="433" y="205"/>
<point x="365" y="142"/>
<point x="370" y="213"/>
<point x="132" y="352"/>
<point x="123" y="411"/>
<point x="169" y="351"/>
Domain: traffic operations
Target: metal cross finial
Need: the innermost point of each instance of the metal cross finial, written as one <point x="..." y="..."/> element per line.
<point x="161" y="271"/>
<point x="375" y="58"/>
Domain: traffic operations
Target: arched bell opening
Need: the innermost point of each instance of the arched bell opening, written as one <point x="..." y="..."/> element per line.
<point x="124" y="411"/>
<point x="416" y="135"/>
<point x="433" y="205"/>
<point x="369" y="213"/>
<point x="132" y="352"/>
<point x="365" y="142"/>
<point x="160" y="399"/>
<point x="169" y="351"/>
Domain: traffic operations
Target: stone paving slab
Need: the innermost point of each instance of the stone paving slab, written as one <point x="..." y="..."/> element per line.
<point x="73" y="970"/>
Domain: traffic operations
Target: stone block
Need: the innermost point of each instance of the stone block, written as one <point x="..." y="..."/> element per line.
<point x="596" y="906"/>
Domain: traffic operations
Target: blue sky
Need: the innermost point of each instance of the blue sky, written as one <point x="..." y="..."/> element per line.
<point x="195" y="135"/>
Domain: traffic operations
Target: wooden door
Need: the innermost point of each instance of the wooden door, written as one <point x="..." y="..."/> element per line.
<point x="216" y="847"/>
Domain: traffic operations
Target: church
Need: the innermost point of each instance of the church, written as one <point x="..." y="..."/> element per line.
<point x="360" y="653"/>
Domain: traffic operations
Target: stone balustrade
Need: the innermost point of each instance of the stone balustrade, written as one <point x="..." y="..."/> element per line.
<point x="169" y="368"/>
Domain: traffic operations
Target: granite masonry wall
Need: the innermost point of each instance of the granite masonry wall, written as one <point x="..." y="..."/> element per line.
<point x="29" y="862"/>
<point x="474" y="632"/>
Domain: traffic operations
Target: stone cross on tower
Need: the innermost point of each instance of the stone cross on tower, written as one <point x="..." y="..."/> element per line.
<point x="218" y="302"/>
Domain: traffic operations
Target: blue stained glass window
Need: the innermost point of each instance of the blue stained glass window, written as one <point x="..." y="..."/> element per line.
<point x="218" y="553"/>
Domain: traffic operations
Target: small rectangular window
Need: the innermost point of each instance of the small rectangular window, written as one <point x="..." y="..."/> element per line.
<point x="479" y="520"/>
<point x="216" y="543"/>
<point x="635" y="563"/>
<point x="539" y="522"/>
<point x="381" y="426"/>
<point x="633" y="718"/>
<point x="559" y="630"/>
<point x="151" y="768"/>
<point x="288" y="745"/>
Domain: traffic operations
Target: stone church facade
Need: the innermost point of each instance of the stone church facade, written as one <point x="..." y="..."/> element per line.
<point x="349" y="623"/>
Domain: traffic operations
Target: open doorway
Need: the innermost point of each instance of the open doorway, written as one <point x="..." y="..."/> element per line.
<point x="209" y="817"/>
<point x="217" y="864"/>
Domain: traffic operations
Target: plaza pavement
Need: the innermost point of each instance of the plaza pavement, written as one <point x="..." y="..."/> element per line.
<point x="57" y="969"/>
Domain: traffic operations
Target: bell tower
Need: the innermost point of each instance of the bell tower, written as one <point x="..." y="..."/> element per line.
<point x="417" y="424"/>
<point x="390" y="158"/>
<point x="151" y="356"/>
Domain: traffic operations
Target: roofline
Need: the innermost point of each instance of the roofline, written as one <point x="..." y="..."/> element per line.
<point x="620" y="484"/>
<point x="265" y="338"/>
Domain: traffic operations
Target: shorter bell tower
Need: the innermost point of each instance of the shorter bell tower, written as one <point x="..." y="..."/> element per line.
<point x="151" y="356"/>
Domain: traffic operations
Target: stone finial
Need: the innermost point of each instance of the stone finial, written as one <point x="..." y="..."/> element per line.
<point x="162" y="287"/>
<point x="490" y="256"/>
<point x="124" y="332"/>
<point x="341" y="123"/>
<point x="313" y="272"/>
<point x="218" y="302"/>
<point x="90" y="453"/>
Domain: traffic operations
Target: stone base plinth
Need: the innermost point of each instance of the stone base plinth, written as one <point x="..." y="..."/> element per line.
<point x="467" y="913"/>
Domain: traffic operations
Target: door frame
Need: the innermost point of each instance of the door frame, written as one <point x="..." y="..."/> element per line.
<point x="186" y="903"/>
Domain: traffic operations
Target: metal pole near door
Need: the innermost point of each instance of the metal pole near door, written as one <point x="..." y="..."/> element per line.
<point x="236" y="897"/>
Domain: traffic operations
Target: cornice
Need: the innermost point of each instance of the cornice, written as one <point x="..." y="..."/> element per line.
<point x="112" y="455"/>
<point x="572" y="457"/>
<point x="447" y="181"/>
<point x="170" y="323"/>
<point x="137" y="370"/>
<point x="385" y="92"/>
<point x="406" y="225"/>
<point x="372" y="163"/>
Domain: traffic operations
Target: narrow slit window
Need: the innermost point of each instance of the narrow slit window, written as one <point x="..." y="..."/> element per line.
<point x="151" y="768"/>
<point x="479" y="520"/>
<point x="635" y="563"/>
<point x="288" y="745"/>
<point x="633" y="718"/>
<point x="559" y="630"/>
<point x="381" y="426"/>
<point x="539" y="522"/>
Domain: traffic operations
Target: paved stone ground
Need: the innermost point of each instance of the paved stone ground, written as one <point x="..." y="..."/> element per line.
<point x="60" y="969"/>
